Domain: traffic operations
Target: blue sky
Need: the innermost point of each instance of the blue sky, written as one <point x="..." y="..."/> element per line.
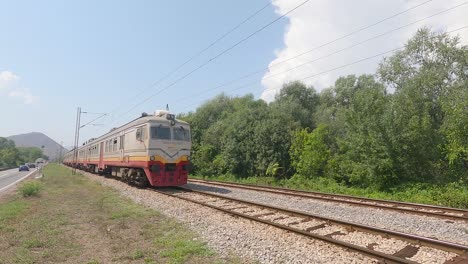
<point x="100" y="54"/>
<point x="104" y="55"/>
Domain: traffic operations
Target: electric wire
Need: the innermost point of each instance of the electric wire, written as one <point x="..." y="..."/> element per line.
<point x="191" y="58"/>
<point x="276" y="64"/>
<point x="335" y="68"/>
<point x="332" y="41"/>
<point x="325" y="56"/>
<point x="215" y="57"/>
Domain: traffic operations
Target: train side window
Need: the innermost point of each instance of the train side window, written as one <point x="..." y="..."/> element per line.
<point x="114" y="144"/>
<point x="139" y="134"/>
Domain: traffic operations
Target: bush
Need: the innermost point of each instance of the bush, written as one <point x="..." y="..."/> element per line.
<point x="29" y="188"/>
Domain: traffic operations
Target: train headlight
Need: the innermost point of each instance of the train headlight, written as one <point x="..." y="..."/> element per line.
<point x="189" y="158"/>
<point x="152" y="158"/>
<point x="155" y="168"/>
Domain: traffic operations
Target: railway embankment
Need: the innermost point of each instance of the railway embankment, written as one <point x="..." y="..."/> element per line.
<point x="455" y="231"/>
<point x="75" y="220"/>
<point x="232" y="233"/>
<point x="227" y="235"/>
<point x="449" y="195"/>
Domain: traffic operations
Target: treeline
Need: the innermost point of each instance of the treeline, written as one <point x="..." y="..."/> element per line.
<point x="11" y="156"/>
<point x="406" y="123"/>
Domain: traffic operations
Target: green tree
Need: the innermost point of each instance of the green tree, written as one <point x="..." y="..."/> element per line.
<point x="9" y="154"/>
<point x="455" y="126"/>
<point x="30" y="154"/>
<point x="293" y="109"/>
<point x="311" y="151"/>
<point x="364" y="152"/>
<point x="428" y="117"/>
<point x="299" y="102"/>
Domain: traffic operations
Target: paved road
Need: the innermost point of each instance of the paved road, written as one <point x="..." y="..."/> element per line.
<point x="9" y="177"/>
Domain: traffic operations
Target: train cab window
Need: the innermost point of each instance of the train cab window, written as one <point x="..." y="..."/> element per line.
<point x="181" y="133"/>
<point x="161" y="132"/>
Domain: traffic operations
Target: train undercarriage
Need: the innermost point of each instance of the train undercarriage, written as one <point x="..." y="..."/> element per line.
<point x="157" y="175"/>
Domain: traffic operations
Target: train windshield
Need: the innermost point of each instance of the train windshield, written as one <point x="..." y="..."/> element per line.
<point x="181" y="133"/>
<point x="161" y="133"/>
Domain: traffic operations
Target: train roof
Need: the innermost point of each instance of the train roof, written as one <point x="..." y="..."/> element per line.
<point x="144" y="118"/>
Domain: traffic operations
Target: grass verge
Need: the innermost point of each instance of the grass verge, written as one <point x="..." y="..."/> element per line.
<point x="451" y="195"/>
<point x="29" y="188"/>
<point x="75" y="220"/>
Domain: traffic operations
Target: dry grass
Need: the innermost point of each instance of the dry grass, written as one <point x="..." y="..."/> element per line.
<point x="74" y="220"/>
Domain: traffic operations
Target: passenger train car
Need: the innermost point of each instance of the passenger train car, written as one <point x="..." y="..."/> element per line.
<point x="152" y="149"/>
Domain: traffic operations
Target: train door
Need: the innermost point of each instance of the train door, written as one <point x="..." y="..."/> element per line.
<point x="121" y="147"/>
<point x="101" y="156"/>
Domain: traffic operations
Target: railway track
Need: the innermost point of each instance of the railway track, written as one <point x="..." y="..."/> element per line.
<point x="384" y="245"/>
<point x="412" y="208"/>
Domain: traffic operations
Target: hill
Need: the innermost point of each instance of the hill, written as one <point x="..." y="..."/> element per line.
<point x="37" y="139"/>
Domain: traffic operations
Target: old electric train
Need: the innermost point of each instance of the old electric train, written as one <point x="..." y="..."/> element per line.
<point x="152" y="149"/>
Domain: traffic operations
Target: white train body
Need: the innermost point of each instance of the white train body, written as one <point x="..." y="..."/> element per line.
<point x="152" y="149"/>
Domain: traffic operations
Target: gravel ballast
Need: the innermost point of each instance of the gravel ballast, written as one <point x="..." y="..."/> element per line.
<point x="227" y="235"/>
<point x="453" y="231"/>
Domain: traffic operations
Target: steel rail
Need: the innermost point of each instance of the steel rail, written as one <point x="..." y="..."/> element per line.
<point x="353" y="200"/>
<point x="385" y="258"/>
<point x="412" y="239"/>
<point x="460" y="250"/>
<point x="425" y="241"/>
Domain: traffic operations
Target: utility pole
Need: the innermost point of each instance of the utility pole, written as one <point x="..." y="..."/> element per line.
<point x="77" y="133"/>
<point x="77" y="137"/>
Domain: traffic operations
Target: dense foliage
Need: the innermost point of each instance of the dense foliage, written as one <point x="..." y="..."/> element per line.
<point x="11" y="156"/>
<point x="407" y="123"/>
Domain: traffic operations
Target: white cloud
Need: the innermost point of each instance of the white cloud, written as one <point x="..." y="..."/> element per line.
<point x="7" y="76"/>
<point x="24" y="95"/>
<point x="10" y="85"/>
<point x="322" y="21"/>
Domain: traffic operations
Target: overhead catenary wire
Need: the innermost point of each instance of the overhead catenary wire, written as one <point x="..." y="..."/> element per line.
<point x="320" y="73"/>
<point x="278" y="63"/>
<point x="356" y="31"/>
<point x="325" y="56"/>
<point x="200" y="52"/>
<point x="335" y="68"/>
<point x="364" y="59"/>
<point x="333" y="41"/>
<point x="215" y="57"/>
<point x="95" y="119"/>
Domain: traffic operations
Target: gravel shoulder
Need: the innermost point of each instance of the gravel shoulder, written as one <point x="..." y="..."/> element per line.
<point x="229" y="235"/>
<point x="453" y="231"/>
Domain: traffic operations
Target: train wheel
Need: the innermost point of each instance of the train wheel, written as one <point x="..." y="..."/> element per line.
<point x="141" y="181"/>
<point x="125" y="174"/>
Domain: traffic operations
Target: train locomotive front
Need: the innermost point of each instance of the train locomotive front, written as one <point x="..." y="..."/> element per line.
<point x="150" y="150"/>
<point x="169" y="147"/>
